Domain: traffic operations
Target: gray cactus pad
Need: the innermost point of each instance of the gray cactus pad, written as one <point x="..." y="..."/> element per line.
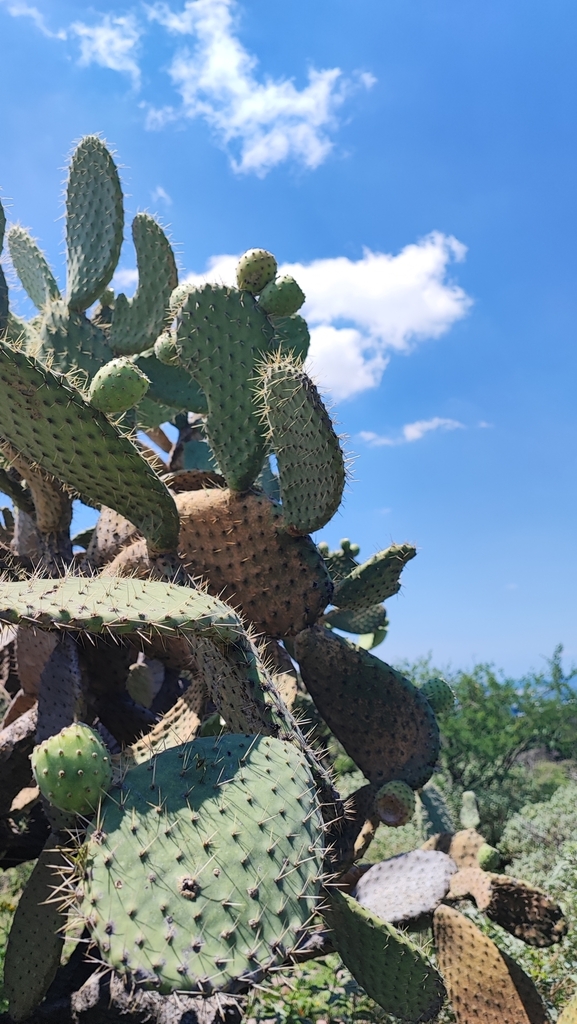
<point x="206" y="868"/>
<point x="404" y="887"/>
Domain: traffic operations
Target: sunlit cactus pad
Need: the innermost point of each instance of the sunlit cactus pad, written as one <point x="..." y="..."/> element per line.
<point x="206" y="867"/>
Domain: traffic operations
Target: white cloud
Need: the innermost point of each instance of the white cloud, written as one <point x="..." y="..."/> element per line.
<point x="159" y="194"/>
<point x="359" y="311"/>
<point x="124" y="280"/>
<point x="24" y="10"/>
<point x="265" y="122"/>
<point x="410" y="432"/>
<point x="112" y="43"/>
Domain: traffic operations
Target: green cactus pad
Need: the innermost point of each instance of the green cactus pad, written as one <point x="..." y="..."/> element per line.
<point x="118" y="386"/>
<point x="310" y="460"/>
<point x="381" y="719"/>
<point x="390" y="968"/>
<point x="341" y="562"/>
<point x="439" y="695"/>
<point x="73" y="769"/>
<point x="94" y="222"/>
<point x="30" y="264"/>
<point x="291" y="336"/>
<point x="49" y="422"/>
<point x="206" y="867"/>
<point x="368" y="620"/>
<point x="255" y="269"/>
<point x="171" y="385"/>
<point x="36" y="936"/>
<point x="282" y="297"/>
<point x="149" y="414"/>
<point x="68" y="340"/>
<point x="469" y="814"/>
<point x="433" y="813"/>
<point x="376" y="579"/>
<point x="137" y="322"/>
<point x="222" y="336"/>
<point x="395" y="803"/>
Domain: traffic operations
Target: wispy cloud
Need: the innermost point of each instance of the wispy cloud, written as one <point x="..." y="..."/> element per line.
<point x="263" y="122"/>
<point x="23" y="10"/>
<point x="111" y="43"/>
<point x="410" y="432"/>
<point x="159" y="194"/>
<point x="359" y="311"/>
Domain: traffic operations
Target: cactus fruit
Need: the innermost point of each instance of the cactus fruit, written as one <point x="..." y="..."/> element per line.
<point x="469" y="813"/>
<point x="282" y="297"/>
<point x="375" y="580"/>
<point x="389" y="967"/>
<point x="482" y="982"/>
<point x="117" y="386"/>
<point x="488" y="858"/>
<point x="255" y="269"/>
<point x="237" y="545"/>
<point x="310" y="460"/>
<point x="165" y="349"/>
<point x="73" y="769"/>
<point x="393" y="734"/>
<point x="395" y="803"/>
<point x="439" y="695"/>
<point x="407" y="886"/>
<point x="205" y="868"/>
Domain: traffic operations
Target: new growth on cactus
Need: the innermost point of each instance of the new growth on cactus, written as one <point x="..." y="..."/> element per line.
<point x="167" y="648"/>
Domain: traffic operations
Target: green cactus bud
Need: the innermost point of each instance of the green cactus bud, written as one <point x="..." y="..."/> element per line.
<point x="282" y="297"/>
<point x="73" y="769"/>
<point x="395" y="803"/>
<point x="469" y="815"/>
<point x="118" y="386"/>
<point x="30" y="264"/>
<point x="310" y="460"/>
<point x="341" y="562"/>
<point x="255" y="269"/>
<point x="488" y="858"/>
<point x="94" y="222"/>
<point x="439" y="694"/>
<point x="165" y="349"/>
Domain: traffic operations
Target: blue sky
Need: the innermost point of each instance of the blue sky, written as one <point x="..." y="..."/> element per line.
<point x="414" y="162"/>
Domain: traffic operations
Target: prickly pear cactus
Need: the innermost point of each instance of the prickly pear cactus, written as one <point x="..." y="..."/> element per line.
<point x="223" y="836"/>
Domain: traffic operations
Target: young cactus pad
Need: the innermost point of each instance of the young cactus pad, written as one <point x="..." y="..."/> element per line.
<point x="73" y="769"/>
<point x="117" y="386"/>
<point x="206" y="867"/>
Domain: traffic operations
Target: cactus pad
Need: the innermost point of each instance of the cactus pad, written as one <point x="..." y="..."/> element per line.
<point x="171" y="385"/>
<point x="393" y="733"/>
<point x="521" y="909"/>
<point x="137" y="322"/>
<point x="222" y="336"/>
<point x="395" y="803"/>
<point x="291" y="337"/>
<point x="341" y="562"/>
<point x="484" y="985"/>
<point x="282" y="297"/>
<point x="255" y="269"/>
<point x="73" y="769"/>
<point x="205" y="868"/>
<point x="439" y="695"/>
<point x="375" y="580"/>
<point x="67" y="340"/>
<point x="49" y="422"/>
<point x="117" y="386"/>
<point x="30" y="264"/>
<point x="94" y="222"/>
<point x="569" y="1013"/>
<point x="488" y="858"/>
<point x="279" y="582"/>
<point x="368" y="620"/>
<point x="310" y="460"/>
<point x="389" y="967"/>
<point x="404" y="887"/>
<point x="469" y="813"/>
